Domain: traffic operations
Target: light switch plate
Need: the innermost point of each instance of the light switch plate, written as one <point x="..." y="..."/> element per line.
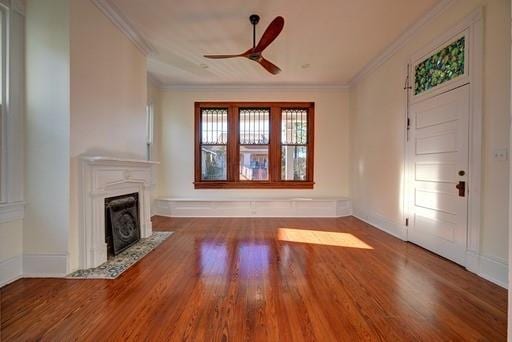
<point x="500" y="154"/>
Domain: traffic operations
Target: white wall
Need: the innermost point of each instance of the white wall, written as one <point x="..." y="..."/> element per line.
<point x="11" y="239"/>
<point x="46" y="221"/>
<point x="11" y="250"/>
<point x="108" y="97"/>
<point x="377" y="125"/>
<point x="86" y="94"/>
<point x="177" y="141"/>
<point x="509" y="325"/>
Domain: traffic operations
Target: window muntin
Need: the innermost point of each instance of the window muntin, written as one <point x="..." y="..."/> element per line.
<point x="249" y="152"/>
<point x="214" y="132"/>
<point x="441" y="67"/>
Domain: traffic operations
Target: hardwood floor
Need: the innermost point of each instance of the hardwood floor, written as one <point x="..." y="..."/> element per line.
<point x="265" y="280"/>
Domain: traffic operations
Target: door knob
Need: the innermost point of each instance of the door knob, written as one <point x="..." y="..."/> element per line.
<point x="461" y="186"/>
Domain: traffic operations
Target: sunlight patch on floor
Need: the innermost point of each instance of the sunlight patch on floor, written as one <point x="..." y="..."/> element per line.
<point x="318" y="237"/>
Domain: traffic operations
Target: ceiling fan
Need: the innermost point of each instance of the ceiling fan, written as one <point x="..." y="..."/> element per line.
<point x="254" y="53"/>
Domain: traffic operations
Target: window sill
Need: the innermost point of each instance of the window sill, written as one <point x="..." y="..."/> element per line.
<point x="254" y="185"/>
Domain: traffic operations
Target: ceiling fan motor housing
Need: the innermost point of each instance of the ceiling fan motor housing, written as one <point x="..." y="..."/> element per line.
<point x="255" y="19"/>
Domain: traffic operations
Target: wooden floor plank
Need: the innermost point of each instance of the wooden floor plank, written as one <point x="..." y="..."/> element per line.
<point x="262" y="279"/>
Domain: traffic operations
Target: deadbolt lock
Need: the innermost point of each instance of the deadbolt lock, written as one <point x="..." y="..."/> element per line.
<point x="462" y="173"/>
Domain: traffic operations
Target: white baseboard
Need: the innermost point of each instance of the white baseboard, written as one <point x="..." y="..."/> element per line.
<point x="45" y="265"/>
<point x="382" y="223"/>
<point x="11" y="269"/>
<point x="280" y="207"/>
<point x="490" y="268"/>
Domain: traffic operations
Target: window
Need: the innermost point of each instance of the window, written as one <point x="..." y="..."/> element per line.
<point x="443" y="66"/>
<point x="150" y="124"/>
<point x="12" y="89"/>
<point x="254" y="145"/>
<point x="3" y="102"/>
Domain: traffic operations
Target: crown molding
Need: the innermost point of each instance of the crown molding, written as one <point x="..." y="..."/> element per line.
<point x="114" y="14"/>
<point x="403" y="39"/>
<point x="263" y="87"/>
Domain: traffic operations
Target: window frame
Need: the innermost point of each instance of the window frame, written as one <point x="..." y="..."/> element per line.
<point x="233" y="147"/>
<point x="4" y="55"/>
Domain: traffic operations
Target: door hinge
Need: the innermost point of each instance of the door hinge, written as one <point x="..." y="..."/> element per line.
<point x="408" y="123"/>
<point x="407" y="222"/>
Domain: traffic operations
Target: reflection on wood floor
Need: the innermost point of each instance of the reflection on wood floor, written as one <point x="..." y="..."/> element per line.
<point x="265" y="280"/>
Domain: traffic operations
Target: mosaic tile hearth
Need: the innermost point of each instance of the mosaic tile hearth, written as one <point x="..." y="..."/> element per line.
<point x="120" y="263"/>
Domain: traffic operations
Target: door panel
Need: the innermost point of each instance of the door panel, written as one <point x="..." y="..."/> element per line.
<point x="441" y="172"/>
<point x="436" y="200"/>
<point x="441" y="143"/>
<point x="437" y="151"/>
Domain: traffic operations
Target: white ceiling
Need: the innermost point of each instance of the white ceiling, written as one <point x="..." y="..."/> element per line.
<point x="337" y="38"/>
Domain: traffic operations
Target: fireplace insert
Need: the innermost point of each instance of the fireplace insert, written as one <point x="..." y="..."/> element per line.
<point x="122" y="225"/>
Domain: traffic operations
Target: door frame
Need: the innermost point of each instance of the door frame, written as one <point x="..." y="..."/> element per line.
<point x="471" y="27"/>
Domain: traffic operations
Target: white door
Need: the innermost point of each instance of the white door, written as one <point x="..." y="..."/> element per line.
<point x="438" y="166"/>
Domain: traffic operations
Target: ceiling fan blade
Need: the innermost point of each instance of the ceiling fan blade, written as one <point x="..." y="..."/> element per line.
<point x="269" y="66"/>
<point x="223" y="56"/>
<point x="271" y="33"/>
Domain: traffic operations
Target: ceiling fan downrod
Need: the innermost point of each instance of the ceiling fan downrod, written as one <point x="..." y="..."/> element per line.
<point x="254" y="19"/>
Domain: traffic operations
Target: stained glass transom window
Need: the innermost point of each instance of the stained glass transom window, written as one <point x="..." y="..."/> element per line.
<point x="441" y="67"/>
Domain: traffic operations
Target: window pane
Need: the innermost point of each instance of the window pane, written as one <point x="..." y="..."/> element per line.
<point x="213" y="162"/>
<point x="253" y="162"/>
<point x="294" y="126"/>
<point x="214" y="126"/>
<point x="254" y="126"/>
<point x="440" y="67"/>
<point x="293" y="163"/>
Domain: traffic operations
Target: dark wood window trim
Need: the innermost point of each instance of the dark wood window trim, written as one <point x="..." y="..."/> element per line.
<point x="233" y="147"/>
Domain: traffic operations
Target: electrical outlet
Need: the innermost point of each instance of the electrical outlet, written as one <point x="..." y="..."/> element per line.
<point x="500" y="154"/>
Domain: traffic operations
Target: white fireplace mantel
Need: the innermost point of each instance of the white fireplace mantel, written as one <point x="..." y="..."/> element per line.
<point x="102" y="177"/>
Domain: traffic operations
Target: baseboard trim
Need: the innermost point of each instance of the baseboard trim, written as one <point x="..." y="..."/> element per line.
<point x="11" y="270"/>
<point x="45" y="265"/>
<point x="382" y="223"/>
<point x="490" y="268"/>
<point x="279" y="207"/>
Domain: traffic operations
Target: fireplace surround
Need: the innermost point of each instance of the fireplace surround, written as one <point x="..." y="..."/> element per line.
<point x="102" y="178"/>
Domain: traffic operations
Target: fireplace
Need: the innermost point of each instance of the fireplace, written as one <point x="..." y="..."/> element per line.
<point x="122" y="224"/>
<point x="103" y="178"/>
